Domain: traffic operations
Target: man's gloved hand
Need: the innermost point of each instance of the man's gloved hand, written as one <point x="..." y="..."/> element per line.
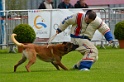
<point x="58" y="31"/>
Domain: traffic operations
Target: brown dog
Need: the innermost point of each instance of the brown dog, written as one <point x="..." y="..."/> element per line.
<point x="52" y="54"/>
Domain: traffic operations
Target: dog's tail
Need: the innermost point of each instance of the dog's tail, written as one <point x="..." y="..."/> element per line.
<point x="15" y="41"/>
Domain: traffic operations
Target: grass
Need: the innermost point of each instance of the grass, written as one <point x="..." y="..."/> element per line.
<point x="109" y="68"/>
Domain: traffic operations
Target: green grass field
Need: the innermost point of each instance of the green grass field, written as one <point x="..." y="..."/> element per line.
<point x="109" y="68"/>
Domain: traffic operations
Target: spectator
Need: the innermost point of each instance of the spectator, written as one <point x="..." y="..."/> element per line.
<point x="47" y="4"/>
<point x="65" y="4"/>
<point x="81" y="4"/>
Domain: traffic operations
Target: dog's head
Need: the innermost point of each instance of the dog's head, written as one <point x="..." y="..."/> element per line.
<point x="68" y="46"/>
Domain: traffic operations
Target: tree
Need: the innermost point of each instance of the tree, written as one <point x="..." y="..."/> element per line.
<point x="16" y="4"/>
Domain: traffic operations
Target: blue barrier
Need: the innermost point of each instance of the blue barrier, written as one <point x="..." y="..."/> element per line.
<point x="1" y="22"/>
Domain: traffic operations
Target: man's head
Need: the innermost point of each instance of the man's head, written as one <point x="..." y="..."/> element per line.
<point x="66" y="1"/>
<point x="90" y="16"/>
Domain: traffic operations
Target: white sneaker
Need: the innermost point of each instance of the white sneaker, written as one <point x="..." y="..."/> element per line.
<point x="84" y="69"/>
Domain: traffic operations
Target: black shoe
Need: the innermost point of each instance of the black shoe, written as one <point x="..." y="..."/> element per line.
<point x="75" y="67"/>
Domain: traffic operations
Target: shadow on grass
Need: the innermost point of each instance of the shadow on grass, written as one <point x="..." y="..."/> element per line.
<point x="12" y="72"/>
<point x="33" y="71"/>
<point x="38" y="71"/>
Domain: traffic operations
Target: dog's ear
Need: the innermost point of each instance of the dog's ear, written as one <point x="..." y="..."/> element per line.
<point x="74" y="47"/>
<point x="64" y="43"/>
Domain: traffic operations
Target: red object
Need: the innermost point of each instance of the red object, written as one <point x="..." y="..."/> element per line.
<point x="121" y="43"/>
<point x="78" y="28"/>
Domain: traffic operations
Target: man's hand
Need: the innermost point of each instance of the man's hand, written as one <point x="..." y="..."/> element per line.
<point x="57" y="32"/>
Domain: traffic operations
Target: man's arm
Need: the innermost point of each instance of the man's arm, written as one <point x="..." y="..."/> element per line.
<point x="70" y="20"/>
<point x="105" y="30"/>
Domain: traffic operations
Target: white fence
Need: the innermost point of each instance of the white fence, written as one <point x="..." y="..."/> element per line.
<point x="44" y="23"/>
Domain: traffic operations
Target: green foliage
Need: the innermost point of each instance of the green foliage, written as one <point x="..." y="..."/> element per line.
<point x="25" y="33"/>
<point x="16" y="4"/>
<point x="119" y="30"/>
